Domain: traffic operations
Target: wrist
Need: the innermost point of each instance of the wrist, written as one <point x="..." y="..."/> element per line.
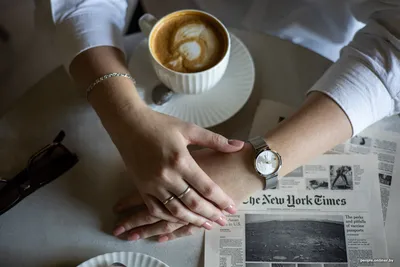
<point x="252" y="181"/>
<point x="96" y="62"/>
<point x="116" y="97"/>
<point x="113" y="98"/>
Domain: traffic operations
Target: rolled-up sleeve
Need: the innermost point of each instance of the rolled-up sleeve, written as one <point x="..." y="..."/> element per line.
<point x="84" y="24"/>
<point x="365" y="81"/>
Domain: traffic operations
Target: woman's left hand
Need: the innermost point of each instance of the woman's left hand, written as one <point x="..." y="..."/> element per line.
<point x="140" y="224"/>
<point x="232" y="172"/>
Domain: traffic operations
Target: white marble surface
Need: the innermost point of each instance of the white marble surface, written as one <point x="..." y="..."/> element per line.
<point x="69" y="220"/>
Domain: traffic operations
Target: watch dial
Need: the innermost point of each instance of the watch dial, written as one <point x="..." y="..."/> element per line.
<point x="267" y="162"/>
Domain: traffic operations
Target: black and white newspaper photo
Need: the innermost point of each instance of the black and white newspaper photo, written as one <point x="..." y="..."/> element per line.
<point x="295" y="238"/>
<point x="341" y="177"/>
<point x="317" y="184"/>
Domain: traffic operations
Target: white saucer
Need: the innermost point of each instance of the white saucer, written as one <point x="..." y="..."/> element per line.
<point x="207" y="109"/>
<point x="127" y="258"/>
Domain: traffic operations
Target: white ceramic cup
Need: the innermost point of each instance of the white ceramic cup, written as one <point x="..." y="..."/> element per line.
<point x="179" y="82"/>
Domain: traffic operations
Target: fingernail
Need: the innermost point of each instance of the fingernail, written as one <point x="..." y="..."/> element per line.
<point x="207" y="225"/>
<point x="231" y="209"/>
<point x="236" y="143"/>
<point x="163" y="239"/>
<point x="134" y="237"/>
<point x="118" y="230"/>
<point x="221" y="221"/>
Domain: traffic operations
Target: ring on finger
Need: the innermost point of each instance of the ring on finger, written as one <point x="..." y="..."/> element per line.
<point x="187" y="190"/>
<point x="165" y="202"/>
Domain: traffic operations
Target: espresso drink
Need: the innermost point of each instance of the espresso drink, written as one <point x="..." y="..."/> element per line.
<point x="188" y="42"/>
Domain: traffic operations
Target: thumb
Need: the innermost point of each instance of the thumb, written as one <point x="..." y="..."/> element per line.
<point x="205" y="138"/>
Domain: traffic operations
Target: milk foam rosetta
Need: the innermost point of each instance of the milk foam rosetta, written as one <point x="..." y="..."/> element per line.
<point x="193" y="47"/>
<point x="189" y="42"/>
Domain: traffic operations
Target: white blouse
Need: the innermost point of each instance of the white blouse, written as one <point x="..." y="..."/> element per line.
<point x="362" y="36"/>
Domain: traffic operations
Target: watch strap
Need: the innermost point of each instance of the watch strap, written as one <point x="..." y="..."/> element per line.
<point x="271" y="181"/>
<point x="258" y="143"/>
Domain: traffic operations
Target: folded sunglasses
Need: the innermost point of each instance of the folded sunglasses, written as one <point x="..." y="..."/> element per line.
<point x="43" y="167"/>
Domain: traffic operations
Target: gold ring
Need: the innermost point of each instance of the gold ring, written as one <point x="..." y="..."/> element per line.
<point x="165" y="202"/>
<point x="187" y="190"/>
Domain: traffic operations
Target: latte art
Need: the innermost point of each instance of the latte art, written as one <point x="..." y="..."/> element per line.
<point x="193" y="47"/>
<point x="189" y="43"/>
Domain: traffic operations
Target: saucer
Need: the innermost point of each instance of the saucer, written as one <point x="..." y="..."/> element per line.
<point x="207" y="109"/>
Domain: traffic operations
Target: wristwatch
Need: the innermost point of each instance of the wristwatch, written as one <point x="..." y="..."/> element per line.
<point x="267" y="162"/>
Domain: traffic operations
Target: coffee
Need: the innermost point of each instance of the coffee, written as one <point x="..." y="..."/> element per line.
<point x="189" y="42"/>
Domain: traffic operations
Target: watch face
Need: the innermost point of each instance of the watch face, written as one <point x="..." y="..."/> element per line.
<point x="267" y="162"/>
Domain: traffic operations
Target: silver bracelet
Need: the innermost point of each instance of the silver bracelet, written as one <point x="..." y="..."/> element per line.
<point x="105" y="77"/>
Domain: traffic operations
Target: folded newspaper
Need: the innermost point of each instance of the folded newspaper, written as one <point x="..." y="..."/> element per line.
<point x="327" y="213"/>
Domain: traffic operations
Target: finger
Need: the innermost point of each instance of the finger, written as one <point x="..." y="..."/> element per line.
<point x="183" y="231"/>
<point x="178" y="210"/>
<point x="156" y="209"/>
<point x="136" y="220"/>
<point x="208" y="189"/>
<point x="128" y="202"/>
<point x="158" y="228"/>
<point x="197" y="204"/>
<point x="202" y="137"/>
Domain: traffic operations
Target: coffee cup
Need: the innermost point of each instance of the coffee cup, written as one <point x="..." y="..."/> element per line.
<point x="189" y="49"/>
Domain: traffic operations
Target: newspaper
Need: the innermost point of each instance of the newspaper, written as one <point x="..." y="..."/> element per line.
<point x="325" y="225"/>
<point x="382" y="139"/>
<point x="326" y="213"/>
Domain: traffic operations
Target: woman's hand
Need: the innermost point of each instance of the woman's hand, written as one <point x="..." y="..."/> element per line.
<point x="233" y="172"/>
<point x="154" y="149"/>
<point x="152" y="145"/>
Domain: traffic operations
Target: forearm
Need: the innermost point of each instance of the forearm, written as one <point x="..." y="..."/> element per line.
<point x="110" y="98"/>
<point x="317" y="126"/>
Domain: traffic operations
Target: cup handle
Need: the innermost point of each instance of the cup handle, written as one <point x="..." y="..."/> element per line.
<point x="146" y="23"/>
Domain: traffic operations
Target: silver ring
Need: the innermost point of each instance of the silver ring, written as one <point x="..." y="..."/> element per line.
<point x="165" y="202"/>
<point x="187" y="190"/>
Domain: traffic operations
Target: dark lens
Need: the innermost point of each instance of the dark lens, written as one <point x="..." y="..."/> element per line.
<point x="46" y="164"/>
<point x="8" y="195"/>
<point x="2" y="184"/>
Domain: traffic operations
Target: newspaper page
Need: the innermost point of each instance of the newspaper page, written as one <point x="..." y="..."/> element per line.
<point x="307" y="228"/>
<point x="382" y="139"/>
<point x="392" y="225"/>
<point x="389" y="125"/>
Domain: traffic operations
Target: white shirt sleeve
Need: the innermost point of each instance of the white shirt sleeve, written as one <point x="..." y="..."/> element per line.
<point x="83" y="24"/>
<point x="365" y="81"/>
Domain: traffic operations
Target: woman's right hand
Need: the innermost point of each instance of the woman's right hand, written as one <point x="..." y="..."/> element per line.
<point x="154" y="146"/>
<point x="154" y="149"/>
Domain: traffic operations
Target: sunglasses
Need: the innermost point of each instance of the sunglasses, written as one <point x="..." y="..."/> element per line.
<point x="43" y="167"/>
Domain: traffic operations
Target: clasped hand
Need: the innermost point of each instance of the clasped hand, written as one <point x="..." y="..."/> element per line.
<point x="154" y="149"/>
<point x="230" y="171"/>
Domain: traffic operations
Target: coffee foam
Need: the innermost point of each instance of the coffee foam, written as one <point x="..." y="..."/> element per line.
<point x="193" y="47"/>
<point x="189" y="42"/>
